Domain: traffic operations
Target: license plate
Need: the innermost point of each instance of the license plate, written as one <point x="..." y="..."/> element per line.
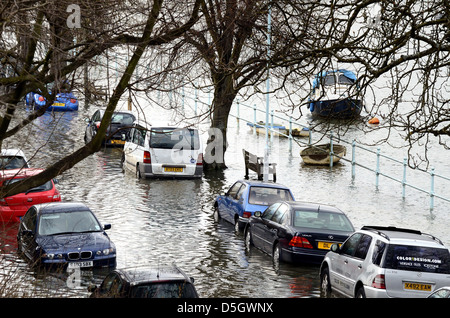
<point x="81" y="264"/>
<point x="325" y="245"/>
<point x="417" y="286"/>
<point x="173" y="169"/>
<point x="59" y="104"/>
<point x="118" y="142"/>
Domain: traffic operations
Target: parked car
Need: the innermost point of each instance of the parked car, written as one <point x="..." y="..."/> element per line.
<point x="13" y="207"/>
<point x="121" y="122"/>
<point x="13" y="159"/>
<point x="297" y="232"/>
<point x="245" y="197"/>
<point x="65" y="234"/>
<point x="64" y="101"/>
<point x="379" y="262"/>
<point x="443" y="292"/>
<point x="145" y="282"/>
<point x="156" y="151"/>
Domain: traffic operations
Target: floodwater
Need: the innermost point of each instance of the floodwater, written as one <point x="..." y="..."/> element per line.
<point x="159" y="222"/>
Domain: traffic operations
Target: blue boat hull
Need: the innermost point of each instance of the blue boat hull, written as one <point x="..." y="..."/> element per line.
<point x="345" y="108"/>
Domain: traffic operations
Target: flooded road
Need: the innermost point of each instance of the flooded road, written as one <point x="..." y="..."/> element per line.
<point x="158" y="222"/>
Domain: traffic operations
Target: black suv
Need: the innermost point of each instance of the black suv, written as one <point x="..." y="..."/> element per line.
<point x="144" y="282"/>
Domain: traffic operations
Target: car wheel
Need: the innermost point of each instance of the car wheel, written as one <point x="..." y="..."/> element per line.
<point x="276" y="254"/>
<point x="360" y="293"/>
<point x="216" y="214"/>
<point x="248" y="239"/>
<point x="138" y="172"/>
<point x="236" y="225"/>
<point x="325" y="285"/>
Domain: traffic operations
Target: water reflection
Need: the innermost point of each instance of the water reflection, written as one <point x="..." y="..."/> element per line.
<point x="157" y="222"/>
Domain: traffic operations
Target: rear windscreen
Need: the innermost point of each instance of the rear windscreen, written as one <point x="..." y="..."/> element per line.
<point x="418" y="258"/>
<point x="171" y="138"/>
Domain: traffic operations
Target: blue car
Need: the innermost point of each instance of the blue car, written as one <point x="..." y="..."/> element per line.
<point x="63" y="102"/>
<point x="65" y="234"/>
<point x="245" y="197"/>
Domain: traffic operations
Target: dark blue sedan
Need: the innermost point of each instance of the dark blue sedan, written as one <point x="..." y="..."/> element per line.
<point x="245" y="197"/>
<point x="65" y="234"/>
<point x="297" y="232"/>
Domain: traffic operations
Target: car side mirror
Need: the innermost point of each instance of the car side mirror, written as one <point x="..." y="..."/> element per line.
<point x="124" y="137"/>
<point x="335" y="248"/>
<point x="106" y="226"/>
<point x="257" y="214"/>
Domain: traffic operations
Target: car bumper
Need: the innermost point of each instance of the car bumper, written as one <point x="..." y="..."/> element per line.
<point x="302" y="255"/>
<point x="148" y="171"/>
<point x="11" y="215"/>
<point x="98" y="262"/>
<point x="375" y="292"/>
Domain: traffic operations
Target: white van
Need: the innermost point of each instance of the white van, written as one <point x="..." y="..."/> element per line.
<point x="163" y="151"/>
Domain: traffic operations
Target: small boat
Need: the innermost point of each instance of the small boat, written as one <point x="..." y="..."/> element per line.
<point x="335" y="94"/>
<point x="276" y="129"/>
<point x="63" y="102"/>
<point x="280" y="130"/>
<point x="320" y="154"/>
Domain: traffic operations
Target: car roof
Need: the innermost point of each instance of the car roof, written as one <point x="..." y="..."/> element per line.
<point x="316" y="207"/>
<point x="403" y="236"/>
<point x="55" y="207"/>
<point x="258" y="183"/>
<point x="13" y="152"/>
<point x="19" y="173"/>
<point x="145" y="274"/>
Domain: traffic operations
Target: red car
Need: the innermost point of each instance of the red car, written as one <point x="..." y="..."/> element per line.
<point x="12" y="208"/>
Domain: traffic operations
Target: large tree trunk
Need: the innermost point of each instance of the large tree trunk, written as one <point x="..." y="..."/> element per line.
<point x="224" y="94"/>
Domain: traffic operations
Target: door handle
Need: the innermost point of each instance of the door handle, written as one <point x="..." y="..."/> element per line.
<point x="359" y="266"/>
<point x="346" y="261"/>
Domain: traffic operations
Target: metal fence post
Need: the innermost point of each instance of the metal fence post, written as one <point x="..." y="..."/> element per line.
<point x="254" y="118"/>
<point x="353" y="158"/>
<point x="331" y="149"/>
<point x="405" y="160"/>
<point x="290" y="134"/>
<point x="432" y="190"/>
<point x="377" y="171"/>
<point x="237" y="115"/>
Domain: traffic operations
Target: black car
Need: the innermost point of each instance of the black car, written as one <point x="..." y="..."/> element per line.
<point x="65" y="234"/>
<point x="297" y="232"/>
<point x="145" y="282"/>
<point x="121" y="123"/>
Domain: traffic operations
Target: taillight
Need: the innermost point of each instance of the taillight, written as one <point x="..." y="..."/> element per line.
<point x="200" y="160"/>
<point x="73" y="100"/>
<point x="3" y="202"/>
<point x="298" y="241"/>
<point x="97" y="124"/>
<point x="379" y="282"/>
<point x="147" y="158"/>
<point x="41" y="98"/>
<point x="247" y="214"/>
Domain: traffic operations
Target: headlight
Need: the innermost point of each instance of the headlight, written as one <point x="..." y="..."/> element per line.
<point x="48" y="255"/>
<point x="106" y="251"/>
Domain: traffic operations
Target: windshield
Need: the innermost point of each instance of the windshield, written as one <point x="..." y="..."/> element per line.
<point x="9" y="162"/>
<point x="68" y="222"/>
<point x="268" y="196"/>
<point x="171" y="138"/>
<point x="122" y="118"/>
<point x="44" y="187"/>
<point x="171" y="289"/>
<point x="322" y="220"/>
<point x="418" y="258"/>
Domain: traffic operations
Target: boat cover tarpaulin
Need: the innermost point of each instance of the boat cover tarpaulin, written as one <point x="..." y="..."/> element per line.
<point x="346" y="73"/>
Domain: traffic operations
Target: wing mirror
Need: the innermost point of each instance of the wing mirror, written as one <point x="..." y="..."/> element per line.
<point x="335" y="248"/>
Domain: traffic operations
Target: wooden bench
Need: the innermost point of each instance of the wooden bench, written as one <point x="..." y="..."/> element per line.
<point x="256" y="164"/>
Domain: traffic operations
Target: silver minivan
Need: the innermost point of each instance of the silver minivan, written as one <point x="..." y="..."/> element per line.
<point x="381" y="262"/>
<point x="163" y="151"/>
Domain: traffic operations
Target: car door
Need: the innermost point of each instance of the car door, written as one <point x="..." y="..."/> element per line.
<point x="228" y="206"/>
<point x="260" y="228"/>
<point x="27" y="233"/>
<point x="134" y="148"/>
<point x="273" y="230"/>
<point x="347" y="265"/>
<point x="112" y="286"/>
<point x="91" y="126"/>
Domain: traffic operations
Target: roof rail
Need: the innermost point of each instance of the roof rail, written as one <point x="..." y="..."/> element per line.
<point x="379" y="230"/>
